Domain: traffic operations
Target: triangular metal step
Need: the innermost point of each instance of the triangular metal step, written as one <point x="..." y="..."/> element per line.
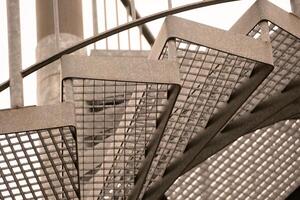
<point x="38" y="153"/>
<point x="231" y="173"/>
<point x="214" y="65"/>
<point x="121" y="105"/>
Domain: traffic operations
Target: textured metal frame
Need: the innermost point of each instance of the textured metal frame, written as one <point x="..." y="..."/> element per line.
<point x="21" y="119"/>
<point x="214" y="38"/>
<point x="133" y="69"/>
<point x="129" y="68"/>
<point x="263" y="10"/>
<point x="217" y="123"/>
<point x="236" y="44"/>
<point x="282" y="106"/>
<point x="39" y="152"/>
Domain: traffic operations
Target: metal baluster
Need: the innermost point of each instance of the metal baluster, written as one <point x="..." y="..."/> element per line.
<point x="95" y="20"/>
<point x="117" y="20"/>
<point x="56" y="24"/>
<point x="15" y="56"/>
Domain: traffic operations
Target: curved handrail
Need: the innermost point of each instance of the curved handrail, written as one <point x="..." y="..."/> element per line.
<point x="115" y="30"/>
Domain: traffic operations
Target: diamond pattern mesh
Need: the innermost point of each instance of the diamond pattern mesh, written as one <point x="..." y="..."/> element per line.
<point x="115" y="121"/>
<point x="39" y="164"/>
<point x="261" y="165"/>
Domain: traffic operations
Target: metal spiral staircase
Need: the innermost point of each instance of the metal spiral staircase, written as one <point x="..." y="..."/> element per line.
<point x="205" y="114"/>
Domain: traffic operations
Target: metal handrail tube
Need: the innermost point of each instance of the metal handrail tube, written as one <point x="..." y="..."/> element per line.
<point x="110" y="32"/>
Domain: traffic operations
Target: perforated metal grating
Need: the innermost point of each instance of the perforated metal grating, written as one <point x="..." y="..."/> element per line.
<point x="264" y="164"/>
<point x="115" y="121"/>
<point x="286" y="56"/>
<point x="209" y="77"/>
<point x="38" y="164"/>
<point x="119" y="120"/>
<point x="261" y="165"/>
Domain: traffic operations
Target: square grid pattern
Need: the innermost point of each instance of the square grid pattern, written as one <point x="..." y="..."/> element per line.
<point x="286" y="57"/>
<point x="115" y="121"/>
<point x="261" y="165"/>
<point x="39" y="164"/>
<point x="208" y="78"/>
<point x="226" y="174"/>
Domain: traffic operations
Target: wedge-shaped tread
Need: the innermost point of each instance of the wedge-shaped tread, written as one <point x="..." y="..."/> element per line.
<point x="261" y="165"/>
<point x="122" y="106"/>
<point x="38" y="154"/>
<point x="214" y="64"/>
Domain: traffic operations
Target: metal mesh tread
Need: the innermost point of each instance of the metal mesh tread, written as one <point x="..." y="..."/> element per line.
<point x="261" y="165"/>
<point x="286" y="56"/>
<point x="209" y="74"/>
<point x="132" y="133"/>
<point x="38" y="163"/>
<point x="114" y="128"/>
<point x="264" y="164"/>
<point x="207" y="84"/>
<point x="116" y="119"/>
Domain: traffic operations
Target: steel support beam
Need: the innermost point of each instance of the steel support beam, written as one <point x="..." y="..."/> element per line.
<point x="15" y="55"/>
<point x="145" y="30"/>
<point x="291" y="111"/>
<point x="279" y="108"/>
<point x="215" y="125"/>
<point x="295" y="194"/>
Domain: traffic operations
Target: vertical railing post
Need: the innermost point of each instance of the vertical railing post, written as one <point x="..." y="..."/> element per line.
<point x="15" y="56"/>
<point x="171" y="43"/>
<point x="56" y="24"/>
<point x="170" y="6"/>
<point x="95" y="20"/>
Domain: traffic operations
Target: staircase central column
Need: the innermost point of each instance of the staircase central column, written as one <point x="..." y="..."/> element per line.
<point x="71" y="31"/>
<point x="67" y="16"/>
